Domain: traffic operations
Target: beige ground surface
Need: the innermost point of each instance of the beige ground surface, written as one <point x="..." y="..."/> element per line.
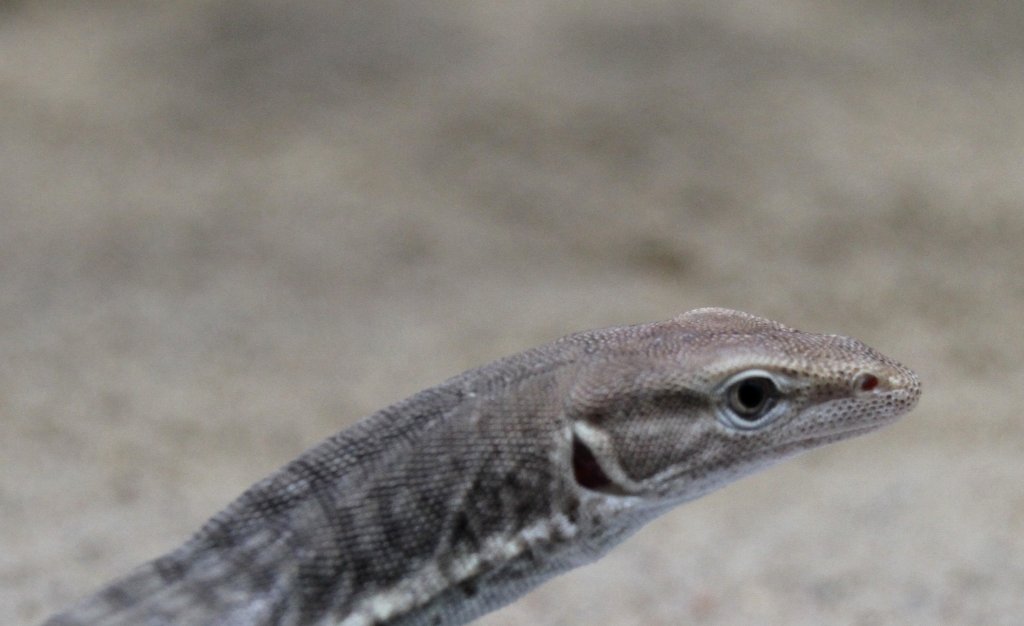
<point x="229" y="229"/>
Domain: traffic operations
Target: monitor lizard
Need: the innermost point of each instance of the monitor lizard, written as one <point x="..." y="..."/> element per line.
<point x="465" y="496"/>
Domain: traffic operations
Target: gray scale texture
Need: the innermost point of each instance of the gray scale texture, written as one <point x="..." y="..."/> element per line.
<point x="460" y="499"/>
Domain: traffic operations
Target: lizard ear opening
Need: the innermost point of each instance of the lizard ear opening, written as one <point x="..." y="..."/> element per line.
<point x="594" y="465"/>
<point x="586" y="469"/>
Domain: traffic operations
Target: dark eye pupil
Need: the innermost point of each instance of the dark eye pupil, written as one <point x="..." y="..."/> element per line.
<point x="750" y="394"/>
<point x="750" y="398"/>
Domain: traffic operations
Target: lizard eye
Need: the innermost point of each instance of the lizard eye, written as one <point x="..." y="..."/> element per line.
<point x="750" y="399"/>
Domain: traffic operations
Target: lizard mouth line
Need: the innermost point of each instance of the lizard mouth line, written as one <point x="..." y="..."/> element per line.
<point x="823" y="438"/>
<point x="782" y="450"/>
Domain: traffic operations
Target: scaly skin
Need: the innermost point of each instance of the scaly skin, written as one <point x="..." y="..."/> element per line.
<point x="465" y="496"/>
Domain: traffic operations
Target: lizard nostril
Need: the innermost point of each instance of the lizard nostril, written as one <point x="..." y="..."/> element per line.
<point x="866" y="382"/>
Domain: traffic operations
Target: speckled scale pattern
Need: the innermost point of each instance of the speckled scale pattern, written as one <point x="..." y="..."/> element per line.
<point x="463" y="497"/>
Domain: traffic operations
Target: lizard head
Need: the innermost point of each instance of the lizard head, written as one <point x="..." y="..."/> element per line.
<point x="672" y="410"/>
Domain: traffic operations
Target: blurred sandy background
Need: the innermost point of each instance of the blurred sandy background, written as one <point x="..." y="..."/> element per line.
<point x="229" y="229"/>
